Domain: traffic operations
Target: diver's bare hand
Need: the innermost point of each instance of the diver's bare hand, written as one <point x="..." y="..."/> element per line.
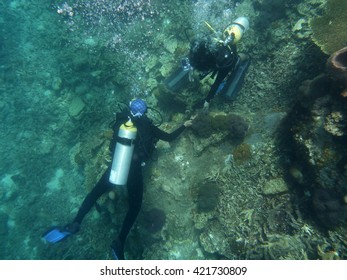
<point x="189" y="122"/>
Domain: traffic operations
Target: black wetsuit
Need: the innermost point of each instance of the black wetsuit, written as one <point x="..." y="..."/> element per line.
<point x="147" y="135"/>
<point x="226" y="62"/>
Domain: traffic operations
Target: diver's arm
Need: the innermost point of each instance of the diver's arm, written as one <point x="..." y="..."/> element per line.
<point x="162" y="135"/>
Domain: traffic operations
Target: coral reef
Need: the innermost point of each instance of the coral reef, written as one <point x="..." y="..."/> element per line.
<point x="318" y="125"/>
<point x="227" y="189"/>
<point x="329" y="30"/>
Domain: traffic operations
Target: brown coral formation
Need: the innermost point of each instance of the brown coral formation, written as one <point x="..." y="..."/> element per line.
<point x="337" y="67"/>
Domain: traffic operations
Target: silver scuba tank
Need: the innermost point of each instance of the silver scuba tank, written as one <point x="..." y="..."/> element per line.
<point x="123" y="154"/>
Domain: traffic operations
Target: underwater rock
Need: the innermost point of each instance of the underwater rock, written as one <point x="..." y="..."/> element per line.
<point x="275" y="186"/>
<point x="207" y="196"/>
<point x="76" y="107"/>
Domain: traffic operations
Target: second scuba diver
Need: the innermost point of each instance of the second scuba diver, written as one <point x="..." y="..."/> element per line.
<point x="217" y="57"/>
<point x="133" y="143"/>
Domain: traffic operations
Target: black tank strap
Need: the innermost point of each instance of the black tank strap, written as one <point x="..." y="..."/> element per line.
<point x="125" y="141"/>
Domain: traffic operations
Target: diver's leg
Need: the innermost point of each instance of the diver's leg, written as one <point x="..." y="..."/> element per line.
<point x="235" y="81"/>
<point x="135" y="194"/>
<point x="57" y="234"/>
<point x="217" y="82"/>
<point x="99" y="189"/>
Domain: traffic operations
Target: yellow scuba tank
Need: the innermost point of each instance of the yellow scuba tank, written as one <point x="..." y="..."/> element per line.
<point x="233" y="33"/>
<point x="123" y="153"/>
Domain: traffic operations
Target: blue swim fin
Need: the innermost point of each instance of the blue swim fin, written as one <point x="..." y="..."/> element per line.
<point x="55" y="235"/>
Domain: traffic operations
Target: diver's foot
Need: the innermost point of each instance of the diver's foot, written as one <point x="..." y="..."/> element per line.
<point x="72" y="227"/>
<point x="117" y="250"/>
<point x="57" y="234"/>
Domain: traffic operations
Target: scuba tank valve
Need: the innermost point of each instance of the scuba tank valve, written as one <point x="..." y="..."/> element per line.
<point x="123" y="154"/>
<point x="233" y="33"/>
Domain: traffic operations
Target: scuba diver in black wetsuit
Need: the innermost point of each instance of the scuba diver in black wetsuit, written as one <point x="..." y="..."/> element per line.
<point x="218" y="57"/>
<point x="133" y="143"/>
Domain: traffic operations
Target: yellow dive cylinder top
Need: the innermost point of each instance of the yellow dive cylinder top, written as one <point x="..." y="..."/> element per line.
<point x="236" y="29"/>
<point x="127" y="128"/>
<point x="233" y="33"/>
